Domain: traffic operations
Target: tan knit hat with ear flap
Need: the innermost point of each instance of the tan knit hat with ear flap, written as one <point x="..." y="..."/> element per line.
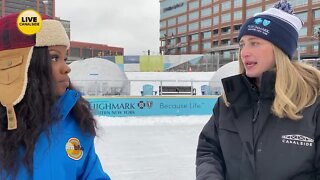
<point x="15" y="56"/>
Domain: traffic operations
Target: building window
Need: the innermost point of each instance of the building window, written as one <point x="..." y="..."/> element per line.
<point x="107" y="52"/>
<point x="171" y="32"/>
<point x="206" y="45"/>
<point x="226" y="30"/>
<point x="268" y="6"/>
<point x="216" y="20"/>
<point x="97" y="53"/>
<point x="206" y="12"/>
<point x="194" y="37"/>
<point x="206" y="23"/>
<point x="172" y="22"/>
<point x="235" y="40"/>
<point x="216" y="8"/>
<point x="163" y="24"/>
<point x="183" y="39"/>
<point x="194" y="47"/>
<point x="206" y="35"/>
<point x="193" y="26"/>
<point x="252" y="11"/>
<point x="315" y="48"/>
<point x="182" y="29"/>
<point x="316" y="14"/>
<point x="249" y="2"/>
<point x="236" y="27"/>
<point x="303" y="31"/>
<point x="303" y="16"/>
<point x="225" y="42"/>
<point x="237" y="15"/>
<point x="225" y="18"/>
<point x="183" y="50"/>
<point x="162" y="33"/>
<point x="86" y="53"/>
<point x="215" y="32"/>
<point x="237" y="3"/>
<point x="182" y="19"/>
<point x="194" y="5"/>
<point x="226" y="54"/>
<point x="302" y="49"/>
<point x="205" y="2"/>
<point x="225" y="6"/>
<point x="295" y="3"/>
<point x="215" y="43"/>
<point x="163" y="42"/>
<point x="75" y="52"/>
<point x="172" y="41"/>
<point x="193" y="16"/>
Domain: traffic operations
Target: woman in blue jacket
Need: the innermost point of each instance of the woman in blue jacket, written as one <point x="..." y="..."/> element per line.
<point x="266" y="126"/>
<point x="47" y="130"/>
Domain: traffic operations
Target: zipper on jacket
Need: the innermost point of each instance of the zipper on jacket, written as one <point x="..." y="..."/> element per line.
<point x="255" y="117"/>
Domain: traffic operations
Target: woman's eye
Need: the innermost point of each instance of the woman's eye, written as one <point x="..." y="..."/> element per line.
<point x="254" y="43"/>
<point x="54" y="58"/>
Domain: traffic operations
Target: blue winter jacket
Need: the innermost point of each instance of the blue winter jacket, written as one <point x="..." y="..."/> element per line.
<point x="69" y="154"/>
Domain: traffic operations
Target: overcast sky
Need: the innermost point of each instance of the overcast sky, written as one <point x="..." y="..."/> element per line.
<point x="131" y="24"/>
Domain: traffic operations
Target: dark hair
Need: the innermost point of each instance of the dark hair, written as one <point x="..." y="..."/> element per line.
<point x="34" y="116"/>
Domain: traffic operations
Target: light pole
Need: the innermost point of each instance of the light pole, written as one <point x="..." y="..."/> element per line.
<point x="318" y="36"/>
<point x="45" y="7"/>
<point x="298" y="53"/>
<point x="217" y="54"/>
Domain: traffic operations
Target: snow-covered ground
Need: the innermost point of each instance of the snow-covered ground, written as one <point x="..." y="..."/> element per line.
<point x="149" y="148"/>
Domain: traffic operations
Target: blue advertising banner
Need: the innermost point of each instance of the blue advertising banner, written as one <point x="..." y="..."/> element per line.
<point x="131" y="59"/>
<point x="110" y="58"/>
<point x="152" y="106"/>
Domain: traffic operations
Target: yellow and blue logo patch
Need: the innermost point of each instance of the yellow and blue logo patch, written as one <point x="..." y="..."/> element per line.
<point x="74" y="149"/>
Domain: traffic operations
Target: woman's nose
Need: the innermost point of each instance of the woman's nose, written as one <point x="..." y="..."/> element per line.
<point x="68" y="69"/>
<point x="244" y="52"/>
<point x="65" y="68"/>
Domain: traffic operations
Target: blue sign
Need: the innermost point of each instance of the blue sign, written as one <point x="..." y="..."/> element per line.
<point x="152" y="106"/>
<point x="131" y="59"/>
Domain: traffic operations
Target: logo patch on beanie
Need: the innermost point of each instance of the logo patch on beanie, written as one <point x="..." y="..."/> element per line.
<point x="264" y="22"/>
<point x="29" y="22"/>
<point x="256" y="26"/>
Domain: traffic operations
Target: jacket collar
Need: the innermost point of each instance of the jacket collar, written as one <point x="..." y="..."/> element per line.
<point x="267" y="87"/>
<point x="242" y="87"/>
<point x="66" y="102"/>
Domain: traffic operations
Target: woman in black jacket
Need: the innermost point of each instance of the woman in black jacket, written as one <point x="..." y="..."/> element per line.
<point x="266" y="126"/>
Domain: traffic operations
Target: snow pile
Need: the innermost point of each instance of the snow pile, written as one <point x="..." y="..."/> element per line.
<point x="96" y="76"/>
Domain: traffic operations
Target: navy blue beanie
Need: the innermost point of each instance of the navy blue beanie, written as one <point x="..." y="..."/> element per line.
<point x="277" y="25"/>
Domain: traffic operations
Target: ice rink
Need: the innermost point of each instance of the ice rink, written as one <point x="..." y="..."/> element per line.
<point x="149" y="148"/>
<point x="152" y="148"/>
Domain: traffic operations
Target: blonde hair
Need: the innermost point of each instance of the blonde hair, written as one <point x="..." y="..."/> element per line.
<point x="297" y="86"/>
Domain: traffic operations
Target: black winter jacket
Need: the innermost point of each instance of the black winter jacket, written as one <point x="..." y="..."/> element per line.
<point x="245" y="141"/>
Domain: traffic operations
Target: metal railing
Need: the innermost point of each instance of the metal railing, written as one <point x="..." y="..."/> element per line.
<point x="130" y="87"/>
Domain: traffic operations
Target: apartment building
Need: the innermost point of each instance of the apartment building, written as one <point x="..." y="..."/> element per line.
<point x="212" y="26"/>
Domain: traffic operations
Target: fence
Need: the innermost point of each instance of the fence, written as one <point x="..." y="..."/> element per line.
<point x="131" y="87"/>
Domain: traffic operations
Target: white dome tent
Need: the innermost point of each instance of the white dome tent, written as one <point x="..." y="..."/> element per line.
<point x="227" y="70"/>
<point x="96" y="77"/>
